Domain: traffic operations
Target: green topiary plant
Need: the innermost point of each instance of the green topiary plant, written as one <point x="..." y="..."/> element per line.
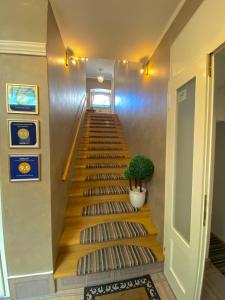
<point x="140" y="168"/>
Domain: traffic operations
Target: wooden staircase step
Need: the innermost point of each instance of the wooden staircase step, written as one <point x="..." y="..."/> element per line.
<point x="68" y="257"/>
<point x="102" y="165"/>
<point x="87" y="146"/>
<point x="90" y="184"/>
<point x="75" y="209"/>
<point x="73" y="226"/>
<point x="85" y="172"/>
<point x="101" y="177"/>
<point x="114" y="189"/>
<point x="85" y="161"/>
<point x="77" y="199"/>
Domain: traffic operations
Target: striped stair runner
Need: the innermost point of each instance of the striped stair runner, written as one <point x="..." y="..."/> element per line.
<point x="110" y="207"/>
<point x="103" y="142"/>
<point x="105" y="165"/>
<point x="103" y="136"/>
<point x="103" y="177"/>
<point x="104" y="148"/>
<point x="115" y="257"/>
<point x="107" y="190"/>
<point x="112" y="231"/>
<point x="102" y="126"/>
<point x="102" y="131"/>
<point x="103" y="156"/>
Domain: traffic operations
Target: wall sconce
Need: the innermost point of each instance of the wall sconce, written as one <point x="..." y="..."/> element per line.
<point x="74" y="59"/>
<point x="145" y="68"/>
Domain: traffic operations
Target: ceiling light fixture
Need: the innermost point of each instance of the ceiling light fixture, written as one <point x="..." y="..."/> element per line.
<point x="125" y="61"/>
<point x="100" y="77"/>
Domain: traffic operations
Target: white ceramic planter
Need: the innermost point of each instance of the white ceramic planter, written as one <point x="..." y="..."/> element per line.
<point x="137" y="198"/>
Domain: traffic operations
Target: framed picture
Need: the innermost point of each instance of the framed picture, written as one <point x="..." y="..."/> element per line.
<point x="23" y="133"/>
<point x="24" y="167"/>
<point x="22" y="99"/>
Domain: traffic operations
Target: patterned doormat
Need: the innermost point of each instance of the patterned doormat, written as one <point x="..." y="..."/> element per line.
<point x="140" y="288"/>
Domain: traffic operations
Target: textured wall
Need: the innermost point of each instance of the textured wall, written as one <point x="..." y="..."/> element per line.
<point x="26" y="206"/>
<point x="142" y="103"/>
<point x="67" y="87"/>
<point x="17" y="16"/>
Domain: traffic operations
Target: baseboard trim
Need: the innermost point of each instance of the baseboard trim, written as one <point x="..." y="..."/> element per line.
<point x="30" y="275"/>
<point x="37" y="286"/>
<point x="23" y="48"/>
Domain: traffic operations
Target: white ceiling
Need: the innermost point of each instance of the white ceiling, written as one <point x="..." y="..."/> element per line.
<point x="114" y="29"/>
<point x="94" y="64"/>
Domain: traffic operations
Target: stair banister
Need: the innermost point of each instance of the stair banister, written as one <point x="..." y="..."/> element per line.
<point x="73" y="145"/>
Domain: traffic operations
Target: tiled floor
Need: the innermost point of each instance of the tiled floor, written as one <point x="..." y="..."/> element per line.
<point x="159" y="280"/>
<point x="213" y="287"/>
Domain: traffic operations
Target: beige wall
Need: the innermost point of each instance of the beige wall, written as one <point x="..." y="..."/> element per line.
<point x="142" y="103"/>
<point x="67" y="87"/>
<point x="18" y="16"/>
<point x="26" y="206"/>
<point x="33" y="212"/>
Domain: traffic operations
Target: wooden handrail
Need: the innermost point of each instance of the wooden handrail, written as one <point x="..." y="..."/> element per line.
<point x="73" y="146"/>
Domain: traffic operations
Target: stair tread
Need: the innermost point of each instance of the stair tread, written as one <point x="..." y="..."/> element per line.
<point x="67" y="261"/>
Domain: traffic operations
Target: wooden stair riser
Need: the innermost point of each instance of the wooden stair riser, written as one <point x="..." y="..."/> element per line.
<point x="77" y="199"/>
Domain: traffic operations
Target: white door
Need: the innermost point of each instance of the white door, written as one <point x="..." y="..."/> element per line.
<point x="185" y="196"/>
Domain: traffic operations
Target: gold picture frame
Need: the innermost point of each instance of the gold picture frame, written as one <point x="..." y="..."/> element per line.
<point x="23" y="133"/>
<point x="23" y="168"/>
<point x="22" y="99"/>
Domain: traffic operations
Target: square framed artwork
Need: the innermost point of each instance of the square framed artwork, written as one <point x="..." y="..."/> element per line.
<point x="24" y="167"/>
<point x="23" y="133"/>
<point x="22" y="98"/>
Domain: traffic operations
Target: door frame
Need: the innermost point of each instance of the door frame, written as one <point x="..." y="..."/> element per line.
<point x="208" y="175"/>
<point x="211" y="145"/>
<point x="202" y="84"/>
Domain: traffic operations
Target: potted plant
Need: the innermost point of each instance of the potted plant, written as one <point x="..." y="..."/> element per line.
<point x="140" y="169"/>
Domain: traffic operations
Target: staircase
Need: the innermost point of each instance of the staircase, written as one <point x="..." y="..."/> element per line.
<point x="102" y="231"/>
